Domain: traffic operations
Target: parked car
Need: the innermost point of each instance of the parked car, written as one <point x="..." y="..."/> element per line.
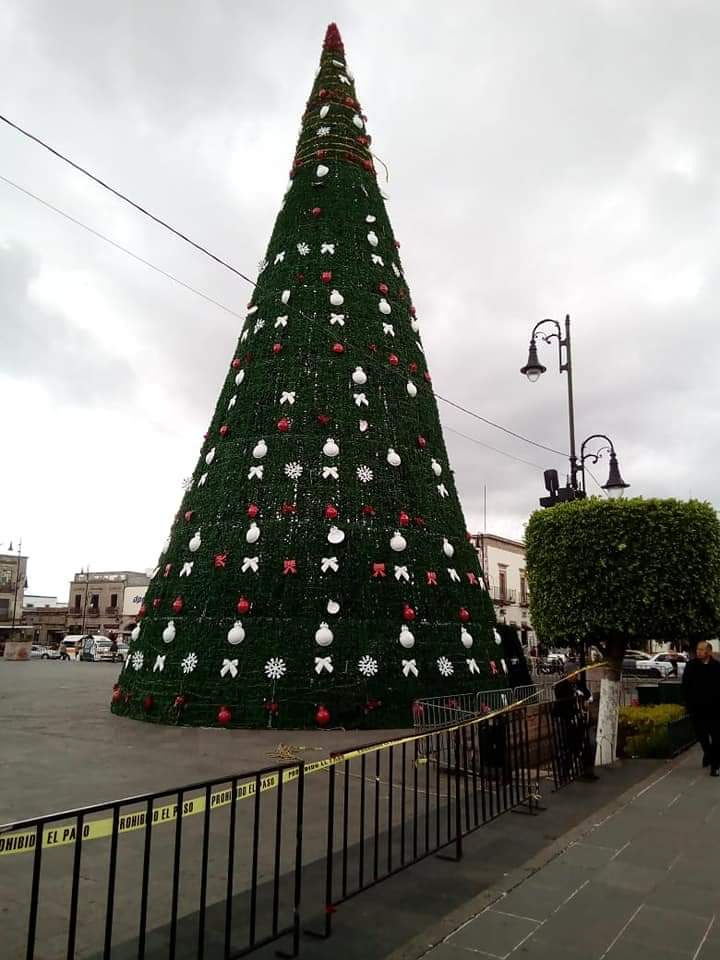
<point x="676" y="660"/>
<point x="50" y="653"/>
<point x="642" y="664"/>
<point x="36" y="651"/>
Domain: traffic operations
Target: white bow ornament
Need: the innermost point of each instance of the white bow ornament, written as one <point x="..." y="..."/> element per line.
<point x="409" y="667"/>
<point x="401" y="573"/>
<point x="250" y="563"/>
<point x="323" y="663"/>
<point x="229" y="666"/>
<point x="329" y="563"/>
<point x="330" y="472"/>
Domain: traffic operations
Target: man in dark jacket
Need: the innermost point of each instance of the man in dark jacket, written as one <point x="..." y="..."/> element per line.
<point x="701" y="685"/>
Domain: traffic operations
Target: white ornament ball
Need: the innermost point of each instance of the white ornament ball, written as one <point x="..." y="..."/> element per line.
<point x="324" y="111"/>
<point x="363" y="426"/>
<point x="336" y="535"/>
<point x="359" y="376"/>
<point x="415" y="325"/>
<point x="236" y="633"/>
<point x="239" y="378"/>
<point x="407" y="639"/>
<point x="436" y="468"/>
<point x="370" y="218"/>
<point x="136" y="632"/>
<point x="448" y="548"/>
<point x="333" y="607"/>
<point x="336" y="298"/>
<point x="324" y="635"/>
<point x="195" y="542"/>
<point x="210" y="456"/>
<point x="497" y="637"/>
<point x="411" y="389"/>
<point x="398" y="542"/>
<point x="358" y="121"/>
<point x="169" y="633"/>
<point x="322" y="170"/>
<point x="384" y="307"/>
<point x="466" y="638"/>
<point x="393" y="458"/>
<point x="330" y="449"/>
<point x="166" y="545"/>
<point x="253" y="534"/>
<point x="260" y="450"/>
<point x="285" y="296"/>
<point x="372" y="238"/>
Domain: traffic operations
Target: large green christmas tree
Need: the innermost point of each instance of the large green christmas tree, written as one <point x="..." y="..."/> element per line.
<point x="318" y="570"/>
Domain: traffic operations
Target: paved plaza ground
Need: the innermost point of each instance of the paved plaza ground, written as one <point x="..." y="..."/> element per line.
<point x="61" y="748"/>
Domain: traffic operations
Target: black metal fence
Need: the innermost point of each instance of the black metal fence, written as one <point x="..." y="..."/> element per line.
<point x="216" y="869"/>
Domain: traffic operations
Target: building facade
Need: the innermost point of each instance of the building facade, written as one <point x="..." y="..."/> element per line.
<point x="105" y="602"/>
<point x="13" y="574"/>
<point x="45" y="623"/>
<point x="503" y="561"/>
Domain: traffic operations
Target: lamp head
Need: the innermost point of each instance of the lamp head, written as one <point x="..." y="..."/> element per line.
<point x="615" y="486"/>
<point x="533" y="368"/>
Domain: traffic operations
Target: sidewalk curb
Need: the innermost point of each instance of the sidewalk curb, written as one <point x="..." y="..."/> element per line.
<point x="421" y="945"/>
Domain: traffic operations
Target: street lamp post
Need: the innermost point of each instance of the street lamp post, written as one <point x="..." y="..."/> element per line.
<point x="533" y="369"/>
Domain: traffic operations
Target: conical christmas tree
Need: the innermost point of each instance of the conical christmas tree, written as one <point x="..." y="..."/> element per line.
<point x="318" y="571"/>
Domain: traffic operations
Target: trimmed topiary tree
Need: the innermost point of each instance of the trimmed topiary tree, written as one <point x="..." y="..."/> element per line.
<point x="613" y="572"/>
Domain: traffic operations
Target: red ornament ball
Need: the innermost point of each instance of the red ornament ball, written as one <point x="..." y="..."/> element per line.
<point x="338" y="348"/>
<point x="253" y="510"/>
<point x="243" y="606"/>
<point x="397" y="244"/>
<point x="148" y="703"/>
<point x="367" y="164"/>
<point x="322" y="93"/>
<point x="178" y="604"/>
<point x="322" y="716"/>
<point x="383" y="288"/>
<point x="277" y="348"/>
<point x="368" y="511"/>
<point x="188" y="516"/>
<point x="412" y="367"/>
<point x="331" y="512"/>
<point x="320" y="154"/>
<point x="224" y="430"/>
<point x="272" y="706"/>
<point x="349" y="102"/>
<point x="427" y="376"/>
<point x="408" y="613"/>
<point x="393" y="360"/>
<point x="288" y="508"/>
<point x="464" y="614"/>
<point x="404" y="519"/>
<point x="116" y="694"/>
<point x="224" y="716"/>
<point x="316" y="212"/>
<point x="141" y="612"/>
<point x="324" y="419"/>
<point x="326" y="276"/>
<point x="413" y="311"/>
<point x="421" y="442"/>
<point x="283" y="425"/>
<point x="235" y="364"/>
<point x="156" y="602"/>
<point x="180" y="701"/>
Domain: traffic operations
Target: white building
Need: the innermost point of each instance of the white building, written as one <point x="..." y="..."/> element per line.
<point x="503" y="562"/>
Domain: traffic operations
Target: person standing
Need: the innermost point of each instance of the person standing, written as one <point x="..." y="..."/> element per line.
<point x="701" y="686"/>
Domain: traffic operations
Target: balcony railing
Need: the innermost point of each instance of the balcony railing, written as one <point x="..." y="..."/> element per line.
<point x="506" y="596"/>
<point x="524" y="600"/>
<point x="93" y="611"/>
<point x="112" y="611"/>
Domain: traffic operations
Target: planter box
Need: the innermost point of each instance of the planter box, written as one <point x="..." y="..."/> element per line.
<point x="17" y="649"/>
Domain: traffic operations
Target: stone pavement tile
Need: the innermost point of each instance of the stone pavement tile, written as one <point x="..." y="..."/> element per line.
<point x="679" y="894"/>
<point x="653" y="849"/>
<point x="666" y="929"/>
<point x="710" y="949"/>
<point x="539" y="947"/>
<point x="629" y="876"/>
<point x="698" y="874"/>
<point x="587" y="854"/>
<point x="619" y="828"/>
<point x="561" y="875"/>
<point x="626" y="950"/>
<point x="594" y="916"/>
<point x="494" y="933"/>
<point x="533" y="899"/>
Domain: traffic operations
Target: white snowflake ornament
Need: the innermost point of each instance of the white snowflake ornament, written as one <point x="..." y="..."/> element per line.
<point x="323" y="131"/>
<point x="303" y="249"/>
<point x="445" y="667"/>
<point x="293" y="470"/>
<point x="275" y="668"/>
<point x="364" y="474"/>
<point x="368" y="666"/>
<point x="137" y="660"/>
<point x="189" y="663"/>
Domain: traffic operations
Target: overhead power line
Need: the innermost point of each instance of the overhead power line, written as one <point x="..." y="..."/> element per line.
<point x="202" y="249"/>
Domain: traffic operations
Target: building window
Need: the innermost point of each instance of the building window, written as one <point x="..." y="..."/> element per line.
<point x="95" y="600"/>
<point x="113" y="599"/>
<point x="523" y="587"/>
<point x="502" y="582"/>
<point x="4" y="609"/>
<point x="78" y="601"/>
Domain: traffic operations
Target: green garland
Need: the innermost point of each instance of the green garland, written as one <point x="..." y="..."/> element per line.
<point x="311" y="373"/>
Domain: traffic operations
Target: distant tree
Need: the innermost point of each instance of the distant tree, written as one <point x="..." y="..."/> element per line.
<point x="621" y="572"/>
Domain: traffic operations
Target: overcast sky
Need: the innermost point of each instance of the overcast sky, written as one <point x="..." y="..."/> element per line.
<point x="544" y="158"/>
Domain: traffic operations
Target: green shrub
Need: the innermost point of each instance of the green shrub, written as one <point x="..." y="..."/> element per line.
<point x="643" y="731"/>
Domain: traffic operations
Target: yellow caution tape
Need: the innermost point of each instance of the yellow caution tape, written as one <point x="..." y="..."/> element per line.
<point x="24" y="841"/>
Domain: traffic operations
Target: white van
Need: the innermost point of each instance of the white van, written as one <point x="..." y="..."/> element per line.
<point x="95" y="647"/>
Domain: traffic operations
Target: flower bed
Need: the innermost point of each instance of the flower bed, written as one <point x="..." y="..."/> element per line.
<point x="651" y="731"/>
